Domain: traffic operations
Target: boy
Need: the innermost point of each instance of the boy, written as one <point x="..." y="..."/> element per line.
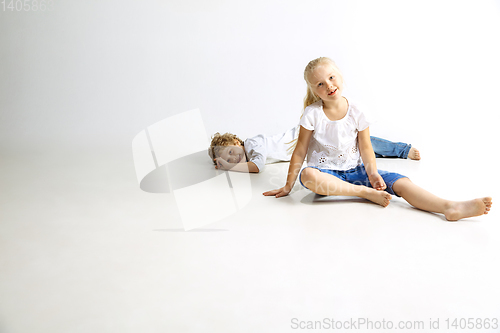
<point x="228" y="152"/>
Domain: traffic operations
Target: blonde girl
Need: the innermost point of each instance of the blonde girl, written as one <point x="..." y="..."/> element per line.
<point x="334" y="134"/>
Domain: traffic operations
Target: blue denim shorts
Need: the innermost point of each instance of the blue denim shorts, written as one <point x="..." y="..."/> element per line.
<point x="358" y="176"/>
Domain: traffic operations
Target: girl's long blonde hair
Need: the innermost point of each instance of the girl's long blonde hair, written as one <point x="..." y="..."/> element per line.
<point x="311" y="97"/>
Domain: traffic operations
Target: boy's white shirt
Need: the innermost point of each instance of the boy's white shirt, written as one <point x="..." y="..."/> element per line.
<point x="334" y="144"/>
<point x="262" y="149"/>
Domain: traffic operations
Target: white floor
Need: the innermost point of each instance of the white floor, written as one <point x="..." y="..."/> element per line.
<point x="83" y="249"/>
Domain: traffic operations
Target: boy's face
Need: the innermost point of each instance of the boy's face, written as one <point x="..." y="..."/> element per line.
<point x="233" y="153"/>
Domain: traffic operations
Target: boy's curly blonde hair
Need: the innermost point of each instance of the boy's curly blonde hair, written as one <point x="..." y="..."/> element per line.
<point x="220" y="141"/>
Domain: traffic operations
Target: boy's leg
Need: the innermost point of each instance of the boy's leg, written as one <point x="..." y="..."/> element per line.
<point x="452" y="210"/>
<point x="387" y="148"/>
<point x="328" y="184"/>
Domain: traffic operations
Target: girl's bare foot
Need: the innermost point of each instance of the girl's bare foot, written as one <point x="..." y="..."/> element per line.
<point x="462" y="209"/>
<point x="379" y="197"/>
<point x="414" y="154"/>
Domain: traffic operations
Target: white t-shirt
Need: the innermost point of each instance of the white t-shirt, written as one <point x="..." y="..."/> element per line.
<point x="263" y="149"/>
<point x="334" y="144"/>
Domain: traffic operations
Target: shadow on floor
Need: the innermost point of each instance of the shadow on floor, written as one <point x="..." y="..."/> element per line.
<point x="194" y="230"/>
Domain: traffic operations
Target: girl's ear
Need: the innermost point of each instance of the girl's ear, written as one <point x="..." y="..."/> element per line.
<point x="311" y="91"/>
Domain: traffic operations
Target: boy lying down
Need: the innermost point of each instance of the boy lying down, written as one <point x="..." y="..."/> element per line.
<point x="229" y="152"/>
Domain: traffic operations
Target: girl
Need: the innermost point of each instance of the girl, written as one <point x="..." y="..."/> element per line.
<point x="229" y="152"/>
<point x="335" y="136"/>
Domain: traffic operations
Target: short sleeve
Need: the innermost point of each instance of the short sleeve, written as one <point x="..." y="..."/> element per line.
<point x="362" y="119"/>
<point x="256" y="153"/>
<point x="362" y="122"/>
<point x="308" y="121"/>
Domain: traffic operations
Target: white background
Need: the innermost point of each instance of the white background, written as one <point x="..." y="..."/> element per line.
<point x="98" y="72"/>
<point x="83" y="249"/>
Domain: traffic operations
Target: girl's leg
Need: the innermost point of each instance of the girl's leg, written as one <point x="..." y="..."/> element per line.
<point x="452" y="210"/>
<point x="387" y="148"/>
<point x="326" y="184"/>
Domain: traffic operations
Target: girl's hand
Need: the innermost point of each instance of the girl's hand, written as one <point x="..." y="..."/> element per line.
<point x="278" y="193"/>
<point x="377" y="182"/>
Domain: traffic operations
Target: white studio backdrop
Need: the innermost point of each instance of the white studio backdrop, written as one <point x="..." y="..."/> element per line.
<point x="80" y="239"/>
<point x="96" y="73"/>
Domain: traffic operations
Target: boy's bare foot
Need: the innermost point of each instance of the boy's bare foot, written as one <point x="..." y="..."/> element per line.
<point x="414" y="154"/>
<point x="462" y="209"/>
<point x="379" y="197"/>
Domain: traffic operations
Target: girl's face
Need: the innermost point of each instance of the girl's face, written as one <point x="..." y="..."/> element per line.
<point x="326" y="82"/>
<point x="233" y="154"/>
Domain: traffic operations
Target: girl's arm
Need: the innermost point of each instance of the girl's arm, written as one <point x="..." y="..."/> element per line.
<point x="240" y="167"/>
<point x="368" y="156"/>
<point x="299" y="154"/>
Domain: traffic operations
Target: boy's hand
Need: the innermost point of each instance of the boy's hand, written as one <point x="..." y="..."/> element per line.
<point x="377" y="182"/>
<point x="223" y="164"/>
<point x="278" y="193"/>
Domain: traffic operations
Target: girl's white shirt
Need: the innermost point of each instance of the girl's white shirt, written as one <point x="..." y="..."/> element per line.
<point x="262" y="149"/>
<point x="334" y="144"/>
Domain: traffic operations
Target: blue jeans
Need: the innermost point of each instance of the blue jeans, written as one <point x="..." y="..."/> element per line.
<point x="386" y="148"/>
<point x="358" y="176"/>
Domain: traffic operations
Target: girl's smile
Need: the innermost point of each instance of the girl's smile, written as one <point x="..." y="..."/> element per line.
<point x="325" y="82"/>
